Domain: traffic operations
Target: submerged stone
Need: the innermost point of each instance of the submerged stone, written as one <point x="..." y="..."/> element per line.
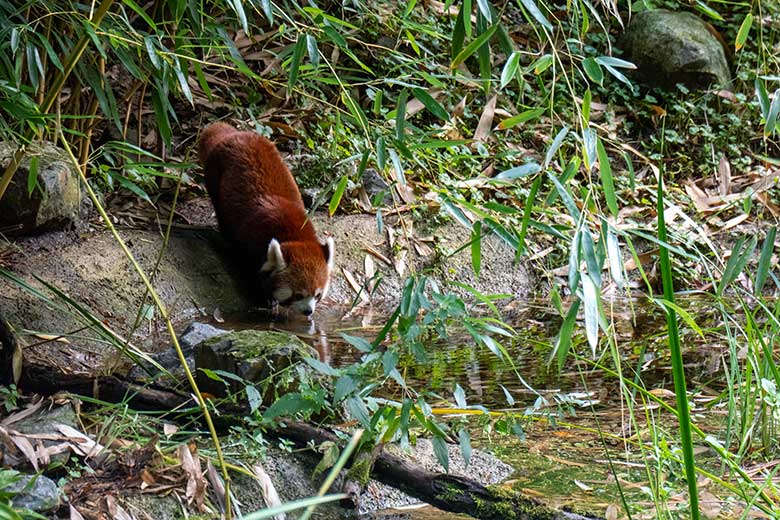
<point x="675" y="47"/>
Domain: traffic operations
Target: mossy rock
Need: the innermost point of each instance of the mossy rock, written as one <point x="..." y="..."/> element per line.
<point x="273" y="360"/>
<point x="56" y="203"/>
<point x="675" y="47"/>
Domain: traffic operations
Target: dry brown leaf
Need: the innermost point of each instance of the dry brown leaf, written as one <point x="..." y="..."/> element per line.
<point x="724" y="176"/>
<point x="22" y="414"/>
<point x="195" y="489"/>
<point x="735" y="221"/>
<point x="400" y="263"/>
<point x="74" y="513"/>
<point x="52" y="337"/>
<point x="369" y="267"/>
<point x="270" y="494"/>
<point x="486" y="120"/>
<point x="217" y="484"/>
<point x="376" y="254"/>
<point x="26" y="447"/>
<point x="169" y="429"/>
<point x="359" y="290"/>
<point x="709" y="505"/>
<point x="698" y="196"/>
<point x="79" y="442"/>
<point x="406" y="193"/>
<point x="773" y="208"/>
<point x="459" y="109"/>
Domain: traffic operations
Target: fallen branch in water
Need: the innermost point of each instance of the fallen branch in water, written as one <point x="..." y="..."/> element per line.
<point x="447" y="492"/>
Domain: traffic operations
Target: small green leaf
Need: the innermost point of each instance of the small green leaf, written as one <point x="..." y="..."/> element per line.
<point x="763" y="98"/>
<point x="358" y="411"/>
<point x="359" y="343"/>
<point x="510" y="69"/>
<point x="771" y="119"/>
<point x="522" y="117"/>
<point x="399" y="169"/>
<point x="765" y="260"/>
<point x="400" y="115"/>
<point x="471" y="48"/>
<point x="295" y="62"/>
<point x="441" y="451"/>
<point x="607" y="182"/>
<point x="253" y="397"/>
<point x="381" y="153"/>
<point x="593" y="70"/>
<point x="609" y="61"/>
<point x="465" y="445"/>
<point x="542" y="64"/>
<point x="314" y="53"/>
<point x="484" y="8"/>
<point x="532" y="8"/>
<point x="335" y="200"/>
<point x="431" y="104"/>
<point x="519" y="172"/>
<point x="476" y="247"/>
<point x="744" y="31"/>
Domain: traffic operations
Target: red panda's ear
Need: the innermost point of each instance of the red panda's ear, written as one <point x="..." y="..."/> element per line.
<point x="328" y="249"/>
<point x="274" y="259"/>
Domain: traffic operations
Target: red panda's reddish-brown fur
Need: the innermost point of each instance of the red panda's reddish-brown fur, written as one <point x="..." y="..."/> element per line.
<point x="261" y="214"/>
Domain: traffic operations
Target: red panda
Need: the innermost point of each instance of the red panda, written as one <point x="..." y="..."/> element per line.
<point x="261" y="214"/>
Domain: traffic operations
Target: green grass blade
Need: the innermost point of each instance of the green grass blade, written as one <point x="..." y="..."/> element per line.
<point x="678" y="369"/>
<point x="765" y="260"/>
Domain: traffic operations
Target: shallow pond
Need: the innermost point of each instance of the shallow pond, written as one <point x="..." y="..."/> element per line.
<point x="574" y="426"/>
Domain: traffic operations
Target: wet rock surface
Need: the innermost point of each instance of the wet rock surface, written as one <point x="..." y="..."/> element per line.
<point x="675" y="47"/>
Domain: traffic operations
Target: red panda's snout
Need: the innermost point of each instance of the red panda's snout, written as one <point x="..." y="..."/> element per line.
<point x="299" y="272"/>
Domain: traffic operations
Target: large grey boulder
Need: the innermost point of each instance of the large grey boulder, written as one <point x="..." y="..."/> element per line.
<point x="675" y="47"/>
<point x="57" y="202"/>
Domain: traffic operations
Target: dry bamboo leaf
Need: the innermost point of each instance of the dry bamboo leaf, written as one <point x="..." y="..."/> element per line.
<point x="79" y="442"/>
<point x="486" y="120"/>
<point x="422" y="249"/>
<point x="169" y="429"/>
<point x="355" y="286"/>
<point x="369" y="267"/>
<point x="376" y="254"/>
<point x="217" y="484"/>
<point x="734" y="221"/>
<point x="406" y="193"/>
<point x="116" y="511"/>
<point x="52" y="337"/>
<point x="459" y="109"/>
<point x="74" y="513"/>
<point x="400" y="263"/>
<point x="768" y="204"/>
<point x="195" y="489"/>
<point x="390" y="236"/>
<point x="26" y="447"/>
<point x="270" y="495"/>
<point x="22" y="414"/>
<point x="698" y="197"/>
<point x="709" y="505"/>
<point x="724" y="176"/>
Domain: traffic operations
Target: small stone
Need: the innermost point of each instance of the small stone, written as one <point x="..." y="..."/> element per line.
<point x="373" y="183"/>
<point x="197" y="332"/>
<point x="42" y="495"/>
<point x="675" y="47"/>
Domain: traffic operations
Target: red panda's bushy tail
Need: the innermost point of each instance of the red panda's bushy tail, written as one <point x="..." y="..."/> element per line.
<point x="211" y="137"/>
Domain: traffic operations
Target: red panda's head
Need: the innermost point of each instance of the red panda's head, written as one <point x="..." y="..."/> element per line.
<point x="300" y="272"/>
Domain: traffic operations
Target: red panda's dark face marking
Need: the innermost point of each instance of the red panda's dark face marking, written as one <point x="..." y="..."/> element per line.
<point x="300" y="273"/>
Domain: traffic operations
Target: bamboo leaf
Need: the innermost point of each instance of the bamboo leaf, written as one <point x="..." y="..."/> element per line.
<point x="510" y="69"/>
<point x="473" y="46"/>
<point x="532" y="8"/>
<point x="476" y="247"/>
<point x="744" y="31"/>
<point x="335" y="200"/>
<point x="522" y="117"/>
<point x="400" y="115"/>
<point x="295" y="61"/>
<point x="771" y="119"/>
<point x="314" y="53"/>
<point x="590" y="297"/>
<point x="431" y="104"/>
<point x="607" y="182"/>
<point x="765" y="260"/>
<point x="593" y="70"/>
